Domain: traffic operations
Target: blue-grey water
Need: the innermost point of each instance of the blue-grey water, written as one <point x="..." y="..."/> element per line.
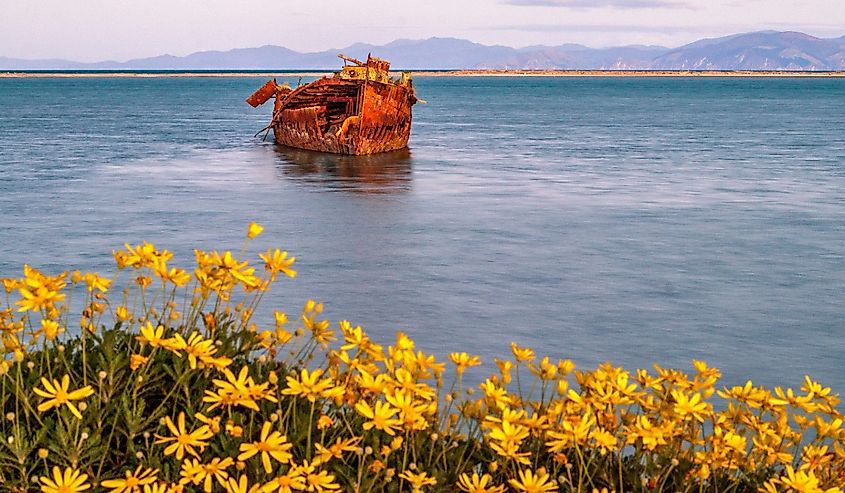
<point x="635" y="220"/>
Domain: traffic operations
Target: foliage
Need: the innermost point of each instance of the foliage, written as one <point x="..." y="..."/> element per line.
<point x="169" y="385"/>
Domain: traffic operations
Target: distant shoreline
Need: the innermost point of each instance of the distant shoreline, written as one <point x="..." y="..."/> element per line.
<point x="429" y="73"/>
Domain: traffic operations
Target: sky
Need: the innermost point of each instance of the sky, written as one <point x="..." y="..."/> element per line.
<point x="97" y="30"/>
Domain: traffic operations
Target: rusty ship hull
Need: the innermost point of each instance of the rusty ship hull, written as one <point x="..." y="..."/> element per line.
<point x="360" y="110"/>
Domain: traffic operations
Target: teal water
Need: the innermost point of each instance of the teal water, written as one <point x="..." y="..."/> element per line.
<point x="631" y="220"/>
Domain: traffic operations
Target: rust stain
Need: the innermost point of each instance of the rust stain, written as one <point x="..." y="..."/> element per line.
<point x="360" y="110"/>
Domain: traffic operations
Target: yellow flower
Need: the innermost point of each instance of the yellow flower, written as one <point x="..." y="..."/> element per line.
<point x="324" y="422"/>
<point x="152" y="336"/>
<point x="216" y="469"/>
<point x="10" y="284"/>
<point x="136" y="361"/>
<point x="403" y="342"/>
<point x="310" y="387"/>
<point x="522" y="354"/>
<point x="40" y="292"/>
<point x="418" y="480"/>
<point x="276" y="261"/>
<point x="317" y="481"/>
<point x="463" y="361"/>
<point x="143" y="281"/>
<point x="122" y="313"/>
<point x="411" y="411"/>
<point x="509" y="432"/>
<point x="254" y="230"/>
<point x="184" y="441"/>
<point x="754" y="397"/>
<point x="71" y="481"/>
<point x="546" y="370"/>
<point x="132" y="482"/>
<point x="240" y="391"/>
<point x="374" y="384"/>
<point x="50" y="328"/>
<point x="319" y="328"/>
<point x="291" y="481"/>
<point x="376" y="466"/>
<point x="651" y="435"/>
<point x="158" y="488"/>
<point x="213" y="423"/>
<point x="736" y="442"/>
<point x="273" y="445"/>
<point x="476" y="484"/>
<point x="58" y="394"/>
<point x="221" y="273"/>
<point x="381" y="417"/>
<point x="191" y="472"/>
<point x="404" y="379"/>
<point x="565" y="366"/>
<point x="529" y="482"/>
<point x="174" y="275"/>
<point x="510" y="450"/>
<point x="802" y="482"/>
<point x="605" y="441"/>
<point x="241" y="485"/>
<point x="505" y="367"/>
<point x="234" y="430"/>
<point x="240" y="385"/>
<point x="576" y="431"/>
<point x="144" y="255"/>
<point x="691" y="407"/>
<point x="94" y="281"/>
<point x="496" y="395"/>
<point x="336" y="450"/>
<point x="197" y="348"/>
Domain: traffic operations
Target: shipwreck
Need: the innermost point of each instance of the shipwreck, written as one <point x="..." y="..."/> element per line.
<point x="359" y="110"/>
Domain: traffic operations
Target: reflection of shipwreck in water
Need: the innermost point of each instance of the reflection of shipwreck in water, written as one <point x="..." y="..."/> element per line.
<point x="360" y="110"/>
<point x="383" y="173"/>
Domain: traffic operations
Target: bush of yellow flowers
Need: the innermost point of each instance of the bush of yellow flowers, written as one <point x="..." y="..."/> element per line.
<point x="166" y="383"/>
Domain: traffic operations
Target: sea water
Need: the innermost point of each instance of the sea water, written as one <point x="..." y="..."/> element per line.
<point x="631" y="220"/>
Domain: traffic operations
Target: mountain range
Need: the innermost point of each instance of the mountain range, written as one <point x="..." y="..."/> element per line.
<point x="766" y="50"/>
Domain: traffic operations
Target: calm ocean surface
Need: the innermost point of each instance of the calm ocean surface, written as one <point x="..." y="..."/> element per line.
<point x="631" y="220"/>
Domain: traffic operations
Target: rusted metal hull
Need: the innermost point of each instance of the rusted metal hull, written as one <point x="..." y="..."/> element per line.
<point x="359" y="111"/>
<point x="345" y="117"/>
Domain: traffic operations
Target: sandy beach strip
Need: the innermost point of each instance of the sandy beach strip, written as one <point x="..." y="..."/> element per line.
<point x="433" y="73"/>
<point x="626" y="73"/>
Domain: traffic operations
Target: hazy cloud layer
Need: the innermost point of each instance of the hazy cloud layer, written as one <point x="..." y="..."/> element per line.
<point x="95" y="30"/>
<point x="613" y="28"/>
<point x="590" y="4"/>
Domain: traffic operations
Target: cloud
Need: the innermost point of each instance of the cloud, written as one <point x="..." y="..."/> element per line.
<point x="608" y="28"/>
<point x="591" y="4"/>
